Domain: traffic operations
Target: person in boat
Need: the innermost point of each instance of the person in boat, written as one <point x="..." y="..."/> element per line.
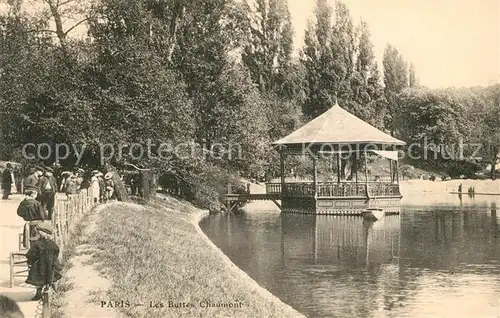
<point x="32" y="212"/>
<point x="42" y="259"/>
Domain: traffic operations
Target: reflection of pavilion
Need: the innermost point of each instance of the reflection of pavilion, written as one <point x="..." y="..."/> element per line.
<point x="340" y="240"/>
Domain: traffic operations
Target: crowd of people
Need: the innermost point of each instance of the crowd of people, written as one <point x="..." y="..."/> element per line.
<point x="37" y="210"/>
<point x="40" y="188"/>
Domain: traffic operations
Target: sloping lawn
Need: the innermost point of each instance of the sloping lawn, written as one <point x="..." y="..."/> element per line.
<point x="160" y="266"/>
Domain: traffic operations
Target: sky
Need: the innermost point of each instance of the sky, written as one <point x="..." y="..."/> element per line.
<point x="450" y="42"/>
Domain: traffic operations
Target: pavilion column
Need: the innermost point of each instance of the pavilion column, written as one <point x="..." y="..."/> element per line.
<point x="366" y="175"/>
<point x="392" y="172"/>
<point x="339" y="167"/>
<point x="315" y="175"/>
<point x="282" y="170"/>
<point x="397" y="171"/>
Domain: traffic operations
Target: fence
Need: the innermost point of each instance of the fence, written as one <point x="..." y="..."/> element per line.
<point x="67" y="215"/>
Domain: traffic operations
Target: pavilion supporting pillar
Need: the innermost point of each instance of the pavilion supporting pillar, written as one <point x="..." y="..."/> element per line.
<point x="339" y="167"/>
<point x="397" y="171"/>
<point x="366" y="175"/>
<point x="282" y="170"/>
<point x="315" y="175"/>
<point x="391" y="171"/>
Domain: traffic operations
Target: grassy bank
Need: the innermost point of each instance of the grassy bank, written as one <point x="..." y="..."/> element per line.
<point x="155" y="255"/>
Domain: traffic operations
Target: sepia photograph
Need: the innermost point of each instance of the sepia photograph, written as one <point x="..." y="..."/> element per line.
<point x="250" y="158"/>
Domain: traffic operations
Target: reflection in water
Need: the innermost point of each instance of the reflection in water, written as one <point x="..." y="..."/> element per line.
<point x="432" y="262"/>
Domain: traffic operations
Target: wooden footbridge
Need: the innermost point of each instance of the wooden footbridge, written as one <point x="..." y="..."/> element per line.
<point x="231" y="200"/>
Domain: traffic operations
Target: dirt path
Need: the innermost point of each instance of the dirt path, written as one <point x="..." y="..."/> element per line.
<point x="11" y="225"/>
<point x="89" y="287"/>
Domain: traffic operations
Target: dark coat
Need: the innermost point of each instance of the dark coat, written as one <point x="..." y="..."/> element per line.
<point x="6" y="177"/>
<point x="31" y="210"/>
<point x="32" y="182"/>
<point x="48" y="180"/>
<point x="44" y="265"/>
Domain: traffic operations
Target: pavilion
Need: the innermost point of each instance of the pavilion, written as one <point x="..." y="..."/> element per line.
<point x="338" y="135"/>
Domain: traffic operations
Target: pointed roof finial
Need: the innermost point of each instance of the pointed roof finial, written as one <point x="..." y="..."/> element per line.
<point x="336" y="100"/>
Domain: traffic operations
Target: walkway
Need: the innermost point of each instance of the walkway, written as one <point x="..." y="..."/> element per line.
<point x="10" y="227"/>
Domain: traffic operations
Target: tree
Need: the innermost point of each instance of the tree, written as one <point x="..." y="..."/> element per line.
<point x="413" y="80"/>
<point x="270" y="44"/>
<point x="395" y="80"/>
<point x="318" y="62"/>
<point x="365" y="83"/>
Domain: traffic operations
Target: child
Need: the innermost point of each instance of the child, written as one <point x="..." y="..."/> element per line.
<point x="30" y="210"/>
<point x="44" y="267"/>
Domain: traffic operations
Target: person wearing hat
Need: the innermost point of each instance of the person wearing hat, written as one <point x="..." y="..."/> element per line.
<point x="64" y="177"/>
<point x="42" y="259"/>
<point x="110" y="185"/>
<point x="102" y="187"/>
<point x="79" y="178"/>
<point x="32" y="181"/>
<point x="31" y="211"/>
<point x="48" y="187"/>
<point x="71" y="186"/>
<point x="7" y="181"/>
<point x="94" y="186"/>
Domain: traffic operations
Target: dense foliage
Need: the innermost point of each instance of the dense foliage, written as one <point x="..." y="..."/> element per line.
<point x="214" y="74"/>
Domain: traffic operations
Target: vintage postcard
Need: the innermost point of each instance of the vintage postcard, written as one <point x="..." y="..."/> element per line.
<point x="250" y="158"/>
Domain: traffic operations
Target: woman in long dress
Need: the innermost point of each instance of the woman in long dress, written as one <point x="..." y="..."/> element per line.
<point x="94" y="186"/>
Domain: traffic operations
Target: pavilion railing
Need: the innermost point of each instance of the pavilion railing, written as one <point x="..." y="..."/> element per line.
<point x="298" y="190"/>
<point x="334" y="189"/>
<point x="343" y="189"/>
<point x="383" y="189"/>
<point x="273" y="188"/>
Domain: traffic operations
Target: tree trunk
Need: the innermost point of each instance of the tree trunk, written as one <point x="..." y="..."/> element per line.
<point x="494" y="162"/>
<point x="54" y="10"/>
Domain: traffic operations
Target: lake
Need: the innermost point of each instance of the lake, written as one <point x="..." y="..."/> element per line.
<point x="439" y="260"/>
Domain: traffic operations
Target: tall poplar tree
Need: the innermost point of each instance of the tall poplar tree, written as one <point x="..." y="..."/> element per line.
<point x="395" y="80"/>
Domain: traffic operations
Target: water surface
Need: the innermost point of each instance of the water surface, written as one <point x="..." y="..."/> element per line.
<point x="431" y="261"/>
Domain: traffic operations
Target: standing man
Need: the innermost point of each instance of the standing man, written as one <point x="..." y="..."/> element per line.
<point x="7" y="181"/>
<point x="48" y="186"/>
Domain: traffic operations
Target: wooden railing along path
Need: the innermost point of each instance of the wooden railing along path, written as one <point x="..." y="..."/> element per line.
<point x="67" y="215"/>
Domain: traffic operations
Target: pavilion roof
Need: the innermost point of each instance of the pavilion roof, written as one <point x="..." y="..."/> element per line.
<point x="338" y="126"/>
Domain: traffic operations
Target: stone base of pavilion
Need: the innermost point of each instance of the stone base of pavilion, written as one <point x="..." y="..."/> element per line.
<point x="331" y="206"/>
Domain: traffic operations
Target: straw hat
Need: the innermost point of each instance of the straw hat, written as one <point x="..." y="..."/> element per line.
<point x="65" y="173"/>
<point x="108" y="175"/>
<point x="99" y="174"/>
<point x="95" y="171"/>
